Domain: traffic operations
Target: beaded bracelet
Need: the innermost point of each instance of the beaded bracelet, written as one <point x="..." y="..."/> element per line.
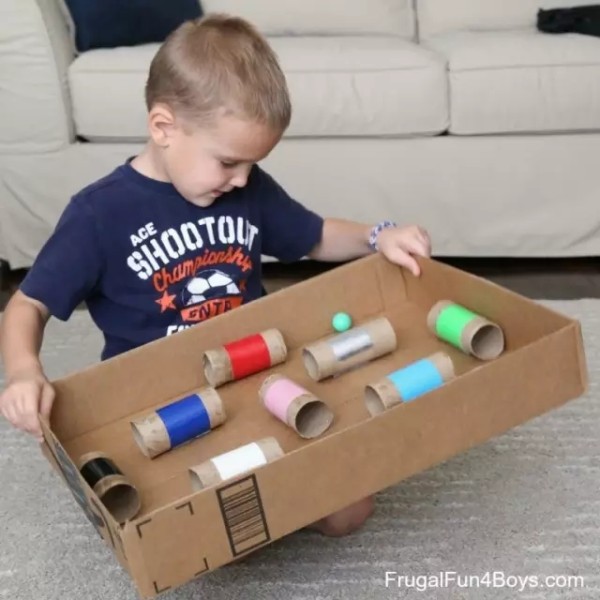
<point x="377" y="229"/>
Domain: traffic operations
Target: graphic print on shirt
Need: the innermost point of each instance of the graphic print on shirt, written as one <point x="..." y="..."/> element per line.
<point x="198" y="270"/>
<point x="207" y="294"/>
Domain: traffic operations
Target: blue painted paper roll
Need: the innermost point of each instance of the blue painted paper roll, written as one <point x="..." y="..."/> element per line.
<point x="408" y="383"/>
<point x="179" y="422"/>
<point x="185" y="419"/>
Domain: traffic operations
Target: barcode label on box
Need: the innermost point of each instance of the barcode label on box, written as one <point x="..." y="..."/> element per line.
<point x="243" y="515"/>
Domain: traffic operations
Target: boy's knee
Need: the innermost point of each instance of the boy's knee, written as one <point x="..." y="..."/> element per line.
<point x="347" y="520"/>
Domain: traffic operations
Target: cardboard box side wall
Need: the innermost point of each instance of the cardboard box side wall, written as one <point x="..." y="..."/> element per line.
<point x="104" y="523"/>
<point x="120" y="539"/>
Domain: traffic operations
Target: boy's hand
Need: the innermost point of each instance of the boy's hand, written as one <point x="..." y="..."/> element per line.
<point x="25" y="396"/>
<point x="399" y="244"/>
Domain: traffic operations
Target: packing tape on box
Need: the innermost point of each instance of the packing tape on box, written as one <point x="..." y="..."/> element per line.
<point x="295" y="406"/>
<point x="354" y="347"/>
<point x="409" y="383"/>
<point x="244" y="357"/>
<point x="114" y="490"/>
<point x="466" y="330"/>
<point x="235" y="462"/>
<point x="179" y="422"/>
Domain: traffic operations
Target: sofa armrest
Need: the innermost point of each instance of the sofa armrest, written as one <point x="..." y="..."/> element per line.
<point x="35" y="53"/>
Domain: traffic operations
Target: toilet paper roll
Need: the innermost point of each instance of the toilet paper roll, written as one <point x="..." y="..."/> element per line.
<point x="341" y="352"/>
<point x="244" y="357"/>
<point x="235" y="462"/>
<point x="179" y="422"/>
<point x="409" y="383"/>
<point x="295" y="406"/>
<point x="115" y="491"/>
<point x="466" y="330"/>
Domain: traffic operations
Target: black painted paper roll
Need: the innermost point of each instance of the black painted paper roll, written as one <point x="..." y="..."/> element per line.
<point x="115" y="491"/>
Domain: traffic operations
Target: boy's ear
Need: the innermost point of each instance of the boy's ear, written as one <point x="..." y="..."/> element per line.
<point x="161" y="124"/>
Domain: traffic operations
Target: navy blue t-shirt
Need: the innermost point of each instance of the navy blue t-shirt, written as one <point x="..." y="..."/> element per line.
<point x="148" y="263"/>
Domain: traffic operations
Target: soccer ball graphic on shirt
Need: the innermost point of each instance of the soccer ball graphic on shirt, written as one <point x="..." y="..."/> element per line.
<point x="207" y="285"/>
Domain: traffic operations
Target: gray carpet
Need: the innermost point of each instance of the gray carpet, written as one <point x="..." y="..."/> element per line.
<point x="524" y="504"/>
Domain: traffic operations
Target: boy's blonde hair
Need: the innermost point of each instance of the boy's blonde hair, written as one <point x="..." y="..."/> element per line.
<point x="219" y="62"/>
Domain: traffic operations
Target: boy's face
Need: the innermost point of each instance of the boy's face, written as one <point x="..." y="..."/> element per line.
<point x="205" y="162"/>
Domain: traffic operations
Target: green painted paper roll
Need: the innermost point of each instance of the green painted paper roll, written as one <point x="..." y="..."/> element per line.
<point x="466" y="330"/>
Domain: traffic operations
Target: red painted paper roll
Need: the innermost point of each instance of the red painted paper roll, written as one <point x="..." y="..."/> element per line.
<point x="244" y="357"/>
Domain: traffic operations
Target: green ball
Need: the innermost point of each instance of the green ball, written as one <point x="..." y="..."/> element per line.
<point x="341" y="322"/>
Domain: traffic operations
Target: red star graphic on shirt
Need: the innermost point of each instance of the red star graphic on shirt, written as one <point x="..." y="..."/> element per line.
<point x="166" y="301"/>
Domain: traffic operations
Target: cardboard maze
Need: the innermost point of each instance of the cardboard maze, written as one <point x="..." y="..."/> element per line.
<point x="286" y="402"/>
<point x="309" y="415"/>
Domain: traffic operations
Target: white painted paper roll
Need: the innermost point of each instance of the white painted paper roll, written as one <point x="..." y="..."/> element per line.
<point x="235" y="462"/>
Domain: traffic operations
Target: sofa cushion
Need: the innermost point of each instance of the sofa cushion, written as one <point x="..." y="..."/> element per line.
<point x="35" y="52"/>
<point x="318" y="17"/>
<point x="521" y="81"/>
<point x="340" y="86"/>
<point x="112" y="23"/>
<point x="438" y="16"/>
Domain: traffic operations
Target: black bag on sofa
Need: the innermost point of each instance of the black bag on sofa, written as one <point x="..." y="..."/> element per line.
<point x="579" y="19"/>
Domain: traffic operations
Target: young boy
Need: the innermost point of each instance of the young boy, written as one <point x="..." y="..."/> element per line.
<point x="139" y="245"/>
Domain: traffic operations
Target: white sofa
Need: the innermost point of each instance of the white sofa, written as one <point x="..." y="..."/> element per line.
<point x="455" y="114"/>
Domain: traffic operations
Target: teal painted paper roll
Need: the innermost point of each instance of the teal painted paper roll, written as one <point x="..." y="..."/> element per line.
<point x="409" y="383"/>
<point x="417" y="379"/>
<point x="466" y="330"/>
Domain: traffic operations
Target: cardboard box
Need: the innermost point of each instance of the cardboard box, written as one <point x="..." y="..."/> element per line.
<point x="180" y="535"/>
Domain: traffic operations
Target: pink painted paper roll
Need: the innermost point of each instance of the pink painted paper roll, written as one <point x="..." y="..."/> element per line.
<point x="295" y="406"/>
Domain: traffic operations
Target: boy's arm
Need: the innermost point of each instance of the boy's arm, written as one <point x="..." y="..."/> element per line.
<point x="63" y="274"/>
<point x="345" y="240"/>
<point x="290" y="232"/>
<point x="342" y="240"/>
<point x="27" y="392"/>
<point x="21" y="335"/>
